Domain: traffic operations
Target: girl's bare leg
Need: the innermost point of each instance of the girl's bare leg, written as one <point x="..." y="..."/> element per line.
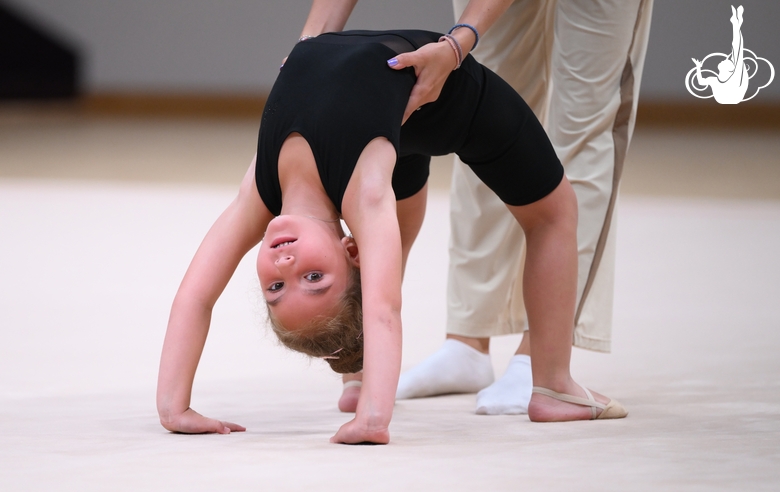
<point x="351" y="392"/>
<point x="550" y="290"/>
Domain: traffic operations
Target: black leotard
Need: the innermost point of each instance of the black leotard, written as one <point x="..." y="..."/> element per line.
<point x="337" y="91"/>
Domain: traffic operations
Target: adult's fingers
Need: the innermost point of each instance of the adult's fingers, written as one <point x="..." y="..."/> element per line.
<point x="404" y="60"/>
<point x="422" y="93"/>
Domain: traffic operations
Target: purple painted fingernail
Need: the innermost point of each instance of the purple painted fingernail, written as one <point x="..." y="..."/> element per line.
<point x="392" y="62"/>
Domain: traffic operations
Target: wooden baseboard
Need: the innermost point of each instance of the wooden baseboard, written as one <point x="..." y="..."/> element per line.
<point x="702" y="114"/>
<point x="709" y="114"/>
<point x="175" y="105"/>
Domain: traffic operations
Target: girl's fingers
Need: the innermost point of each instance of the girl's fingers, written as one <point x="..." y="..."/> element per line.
<point x="205" y="425"/>
<point x="233" y="427"/>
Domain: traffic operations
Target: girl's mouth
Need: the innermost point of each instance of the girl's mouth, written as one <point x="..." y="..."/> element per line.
<point x="280" y="242"/>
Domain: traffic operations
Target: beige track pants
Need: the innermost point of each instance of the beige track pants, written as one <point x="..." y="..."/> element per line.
<point x="578" y="64"/>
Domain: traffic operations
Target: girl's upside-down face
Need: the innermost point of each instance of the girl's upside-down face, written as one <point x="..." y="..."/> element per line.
<point x="303" y="267"/>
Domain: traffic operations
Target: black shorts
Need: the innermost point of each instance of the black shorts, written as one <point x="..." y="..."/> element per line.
<point x="489" y="126"/>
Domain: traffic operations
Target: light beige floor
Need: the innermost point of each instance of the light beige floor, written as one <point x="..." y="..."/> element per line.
<point x="99" y="218"/>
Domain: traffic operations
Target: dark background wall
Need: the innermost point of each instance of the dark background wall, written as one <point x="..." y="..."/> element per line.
<point x="34" y="64"/>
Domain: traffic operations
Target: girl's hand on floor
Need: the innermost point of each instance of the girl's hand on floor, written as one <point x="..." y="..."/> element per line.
<point x="355" y="433"/>
<point x="191" y="422"/>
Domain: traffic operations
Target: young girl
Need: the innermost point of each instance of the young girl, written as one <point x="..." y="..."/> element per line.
<point x="332" y="147"/>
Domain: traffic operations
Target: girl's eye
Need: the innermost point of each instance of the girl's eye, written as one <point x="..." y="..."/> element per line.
<point x="313" y="277"/>
<point x="275" y="286"/>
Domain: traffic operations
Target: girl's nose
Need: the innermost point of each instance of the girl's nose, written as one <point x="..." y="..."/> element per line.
<point x="284" y="261"/>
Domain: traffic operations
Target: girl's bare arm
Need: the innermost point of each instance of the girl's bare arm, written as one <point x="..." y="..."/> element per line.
<point x="369" y="209"/>
<point x="240" y="227"/>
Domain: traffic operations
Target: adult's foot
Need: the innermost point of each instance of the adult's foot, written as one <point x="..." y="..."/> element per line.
<point x="510" y="394"/>
<point x="454" y="368"/>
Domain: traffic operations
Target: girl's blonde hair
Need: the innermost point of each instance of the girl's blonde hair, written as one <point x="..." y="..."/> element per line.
<point x="337" y="339"/>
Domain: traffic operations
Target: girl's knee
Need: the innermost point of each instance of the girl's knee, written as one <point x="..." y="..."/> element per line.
<point x="559" y="208"/>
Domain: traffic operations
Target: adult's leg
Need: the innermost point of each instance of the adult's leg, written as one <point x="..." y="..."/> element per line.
<point x="486" y="242"/>
<point x="596" y="41"/>
<point x="597" y="62"/>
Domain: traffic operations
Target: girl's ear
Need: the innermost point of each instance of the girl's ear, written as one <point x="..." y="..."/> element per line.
<point x="350" y="246"/>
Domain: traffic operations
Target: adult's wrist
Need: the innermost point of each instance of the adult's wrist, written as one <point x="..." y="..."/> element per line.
<point x="455" y="46"/>
<point x="470" y="28"/>
<point x="465" y="36"/>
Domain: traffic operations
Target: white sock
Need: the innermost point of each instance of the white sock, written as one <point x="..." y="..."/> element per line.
<point x="454" y="368"/>
<point x="510" y="394"/>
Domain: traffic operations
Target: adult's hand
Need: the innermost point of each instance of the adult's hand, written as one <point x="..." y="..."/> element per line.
<point x="191" y="422"/>
<point x="432" y="64"/>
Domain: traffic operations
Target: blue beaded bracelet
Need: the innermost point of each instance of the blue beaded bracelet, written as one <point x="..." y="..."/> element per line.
<point x="467" y="26"/>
